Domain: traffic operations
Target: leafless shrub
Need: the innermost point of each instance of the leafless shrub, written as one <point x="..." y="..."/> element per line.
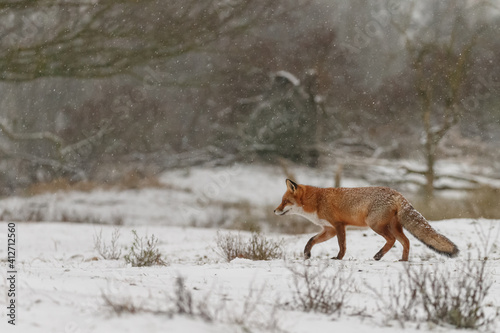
<point x="111" y="251"/>
<point x="440" y="295"/>
<point x="444" y="295"/>
<point x="229" y="246"/>
<point x="258" y="247"/>
<point x="254" y="313"/>
<point x="181" y="302"/>
<point x="397" y="300"/>
<point x="320" y="289"/>
<point x="457" y="301"/>
<point x="262" y="248"/>
<point x="144" y="252"/>
<point x="250" y="315"/>
<point x="184" y="303"/>
<point x="121" y="306"/>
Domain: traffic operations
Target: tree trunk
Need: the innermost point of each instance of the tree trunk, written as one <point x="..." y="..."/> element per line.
<point x="429" y="146"/>
<point x="429" y="173"/>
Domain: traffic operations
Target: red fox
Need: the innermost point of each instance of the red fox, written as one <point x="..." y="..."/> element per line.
<point x="384" y="210"/>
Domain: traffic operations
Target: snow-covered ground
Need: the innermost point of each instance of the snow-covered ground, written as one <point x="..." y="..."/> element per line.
<point x="61" y="287"/>
<point x="63" y="284"/>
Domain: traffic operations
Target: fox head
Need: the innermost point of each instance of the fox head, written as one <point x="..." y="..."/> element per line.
<point x="290" y="200"/>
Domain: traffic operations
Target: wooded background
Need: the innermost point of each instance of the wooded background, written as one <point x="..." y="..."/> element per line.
<point x="91" y="88"/>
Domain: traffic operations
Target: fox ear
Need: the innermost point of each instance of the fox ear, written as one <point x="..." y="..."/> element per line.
<point x="292" y="186"/>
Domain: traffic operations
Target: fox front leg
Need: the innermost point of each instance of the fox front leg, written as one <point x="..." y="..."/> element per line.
<point x="324" y="235"/>
<point x="307" y="249"/>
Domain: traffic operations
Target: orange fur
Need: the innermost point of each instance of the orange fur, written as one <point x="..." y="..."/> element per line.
<point x="382" y="209"/>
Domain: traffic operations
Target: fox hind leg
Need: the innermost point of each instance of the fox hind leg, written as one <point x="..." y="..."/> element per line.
<point x="390" y="240"/>
<point x="324" y="235"/>
<point x="397" y="231"/>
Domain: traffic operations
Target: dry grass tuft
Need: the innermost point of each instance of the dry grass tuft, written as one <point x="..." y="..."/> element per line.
<point x="130" y="180"/>
<point x="109" y="251"/>
<point x="144" y="252"/>
<point x="322" y="289"/>
<point x="61" y="185"/>
<point x="258" y="247"/>
<point x="440" y="295"/>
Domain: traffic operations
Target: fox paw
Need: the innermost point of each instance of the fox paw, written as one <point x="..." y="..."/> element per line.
<point x="307" y="255"/>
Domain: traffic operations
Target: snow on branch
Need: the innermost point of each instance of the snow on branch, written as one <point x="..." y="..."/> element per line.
<point x="57" y="140"/>
<point x="288" y="77"/>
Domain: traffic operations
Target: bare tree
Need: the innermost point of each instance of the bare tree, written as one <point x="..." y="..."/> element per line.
<point x="81" y="39"/>
<point x="440" y="50"/>
<point x="87" y="39"/>
<point x="288" y="82"/>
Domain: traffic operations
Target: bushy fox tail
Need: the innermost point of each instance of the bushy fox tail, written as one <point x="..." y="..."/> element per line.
<point x="418" y="226"/>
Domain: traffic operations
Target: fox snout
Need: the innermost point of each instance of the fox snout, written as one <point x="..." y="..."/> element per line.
<point x="280" y="210"/>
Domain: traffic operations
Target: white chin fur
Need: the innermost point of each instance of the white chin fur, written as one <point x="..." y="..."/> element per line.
<point x="313" y="217"/>
<point x="281" y="212"/>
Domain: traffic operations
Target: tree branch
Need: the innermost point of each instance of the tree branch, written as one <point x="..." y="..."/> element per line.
<point x="63" y="150"/>
<point x="56" y="140"/>
<point x="107" y="38"/>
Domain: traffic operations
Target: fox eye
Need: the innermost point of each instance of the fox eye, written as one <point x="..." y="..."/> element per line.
<point x="285" y="201"/>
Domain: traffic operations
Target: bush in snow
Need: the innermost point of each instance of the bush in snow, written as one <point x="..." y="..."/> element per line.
<point x="251" y="315"/>
<point x="447" y="299"/>
<point x="322" y="288"/>
<point x="440" y="295"/>
<point x="258" y="247"/>
<point x="111" y="251"/>
<point x="144" y="252"/>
